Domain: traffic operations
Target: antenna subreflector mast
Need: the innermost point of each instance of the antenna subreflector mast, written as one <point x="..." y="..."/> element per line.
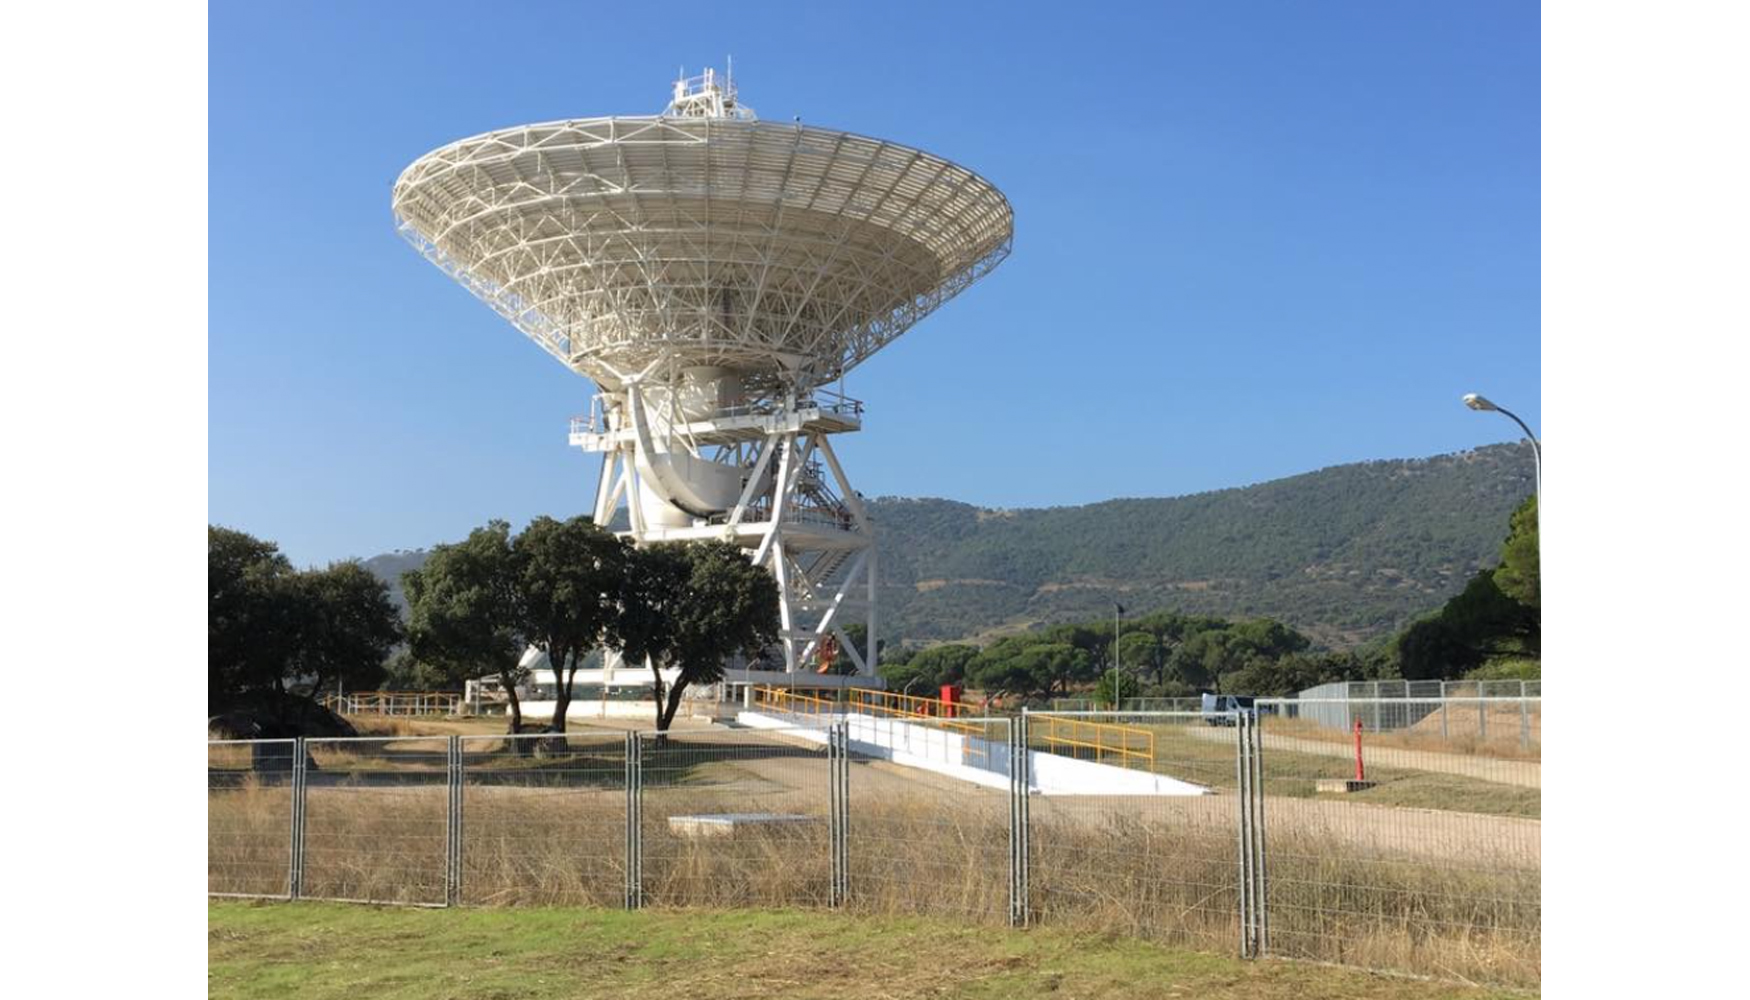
<point x="716" y="276"/>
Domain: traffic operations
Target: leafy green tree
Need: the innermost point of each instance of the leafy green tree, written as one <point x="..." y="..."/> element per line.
<point x="346" y="626"/>
<point x="569" y="579"/>
<point x="1142" y="653"/>
<point x="1291" y="674"/>
<point x="1031" y="665"/>
<point x="689" y="606"/>
<point x="1268" y="639"/>
<point x="928" y="669"/>
<point x="1518" y="574"/>
<point x="1203" y="657"/>
<point x="463" y="618"/>
<point x="251" y="619"/>
<point x="1093" y="640"/>
<point x="1478" y="624"/>
<point x="1497" y="615"/>
<point x="406" y="672"/>
<point x="270" y="626"/>
<point x="1116" y="685"/>
<point x="1432" y="649"/>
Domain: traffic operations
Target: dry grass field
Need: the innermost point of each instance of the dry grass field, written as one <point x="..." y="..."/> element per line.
<point x="1391" y="888"/>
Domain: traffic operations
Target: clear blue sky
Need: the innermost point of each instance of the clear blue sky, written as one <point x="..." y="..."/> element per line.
<point x="1251" y="239"/>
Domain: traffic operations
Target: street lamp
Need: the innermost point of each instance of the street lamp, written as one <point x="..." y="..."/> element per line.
<point x="1480" y="404"/>
<point x="1117" y="678"/>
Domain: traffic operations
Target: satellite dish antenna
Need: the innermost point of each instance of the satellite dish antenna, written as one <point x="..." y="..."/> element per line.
<point x="715" y="275"/>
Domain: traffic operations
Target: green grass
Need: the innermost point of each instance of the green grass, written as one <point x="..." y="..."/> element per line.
<point x="316" y="951"/>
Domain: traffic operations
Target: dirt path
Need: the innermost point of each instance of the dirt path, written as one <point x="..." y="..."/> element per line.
<point x="1299" y="826"/>
<point x="1524" y="773"/>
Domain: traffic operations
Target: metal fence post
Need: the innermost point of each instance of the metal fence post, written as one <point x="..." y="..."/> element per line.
<point x="1020" y="825"/>
<point x="453" y="832"/>
<point x="634" y="781"/>
<point x="1524" y="719"/>
<point x="295" y="888"/>
<point x="838" y="740"/>
<point x="1260" y="855"/>
<point x="1242" y="787"/>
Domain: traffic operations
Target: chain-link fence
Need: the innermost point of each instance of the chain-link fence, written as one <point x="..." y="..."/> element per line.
<point x="1263" y="834"/>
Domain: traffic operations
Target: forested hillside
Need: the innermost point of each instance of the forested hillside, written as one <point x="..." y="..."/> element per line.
<point x="1345" y="554"/>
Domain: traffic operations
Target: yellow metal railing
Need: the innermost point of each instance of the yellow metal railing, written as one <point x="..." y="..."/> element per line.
<point x="794" y="702"/>
<point x="869" y="702"/>
<point x="1102" y="742"/>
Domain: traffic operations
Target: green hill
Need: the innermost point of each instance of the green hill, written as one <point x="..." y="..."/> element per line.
<point x="1345" y="554"/>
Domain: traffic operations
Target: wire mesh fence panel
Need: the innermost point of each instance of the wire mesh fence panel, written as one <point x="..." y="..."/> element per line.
<point x="543" y="819"/>
<point x="929" y="817"/>
<point x="735" y="818"/>
<point x="249" y="817"/>
<point x="1147" y="846"/>
<point x="1497" y="727"/>
<point x="1423" y="855"/>
<point x="376" y="819"/>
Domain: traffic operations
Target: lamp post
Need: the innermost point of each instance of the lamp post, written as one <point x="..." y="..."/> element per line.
<point x="1117" y="677"/>
<point x="1481" y="405"/>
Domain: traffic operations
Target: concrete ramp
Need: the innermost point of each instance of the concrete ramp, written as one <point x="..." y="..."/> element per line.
<point x="972" y="758"/>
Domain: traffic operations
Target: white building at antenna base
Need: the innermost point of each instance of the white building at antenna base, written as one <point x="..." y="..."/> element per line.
<point x="716" y="276"/>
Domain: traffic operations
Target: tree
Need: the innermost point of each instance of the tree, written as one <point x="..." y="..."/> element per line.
<point x="462" y="611"/>
<point x="270" y="626"/>
<point x="569" y="579"/>
<point x="1114" y="686"/>
<point x="406" y="672"/>
<point x="1143" y="653"/>
<point x="687" y="607"/>
<point x="1496" y="615"/>
<point x="928" y="669"/>
<point x="250" y="622"/>
<point x="1031" y="665"/>
<point x="346" y="626"/>
<point x="1432" y="649"/>
<point x="1518" y="574"/>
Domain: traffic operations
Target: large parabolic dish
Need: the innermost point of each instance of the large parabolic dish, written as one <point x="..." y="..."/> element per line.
<point x="712" y="273"/>
<point x="787" y="253"/>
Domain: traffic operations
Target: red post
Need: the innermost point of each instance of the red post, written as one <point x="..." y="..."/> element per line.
<point x="950" y="695"/>
<point x="1360" y="772"/>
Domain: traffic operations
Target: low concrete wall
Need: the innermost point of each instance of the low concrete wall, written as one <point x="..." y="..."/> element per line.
<point x="971" y="758"/>
<point x="593" y="709"/>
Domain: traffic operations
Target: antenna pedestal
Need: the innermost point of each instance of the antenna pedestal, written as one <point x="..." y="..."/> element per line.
<point x="762" y="476"/>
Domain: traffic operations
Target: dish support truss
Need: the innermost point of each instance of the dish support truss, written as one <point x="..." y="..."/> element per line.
<point x="797" y="513"/>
